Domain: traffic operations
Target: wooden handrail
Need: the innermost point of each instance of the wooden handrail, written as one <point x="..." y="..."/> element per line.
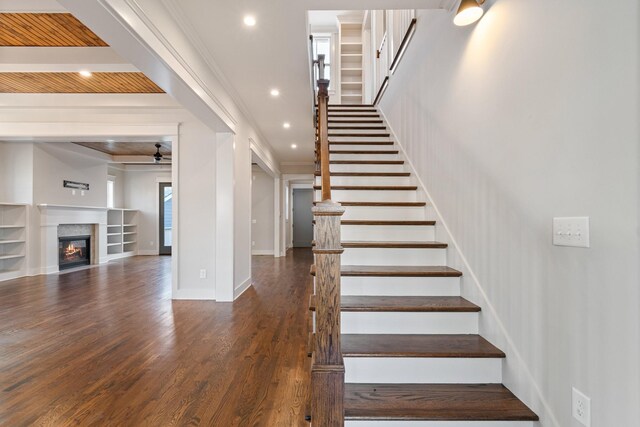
<point x="323" y="136"/>
<point x="327" y="366"/>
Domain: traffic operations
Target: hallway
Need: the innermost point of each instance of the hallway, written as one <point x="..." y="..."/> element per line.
<point x="107" y="346"/>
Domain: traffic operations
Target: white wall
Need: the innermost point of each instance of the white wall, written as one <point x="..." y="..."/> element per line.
<point x="16" y="172"/>
<point x="262" y="213"/>
<point x="530" y="114"/>
<point x="54" y="162"/>
<point x="141" y="193"/>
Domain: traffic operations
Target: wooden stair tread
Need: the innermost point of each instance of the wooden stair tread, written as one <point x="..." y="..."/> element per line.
<point x="383" y="204"/>
<point x="384" y="222"/>
<point x="360" y="143"/>
<point x="437" y="402"/>
<point x="371" y="187"/>
<point x="395" y="271"/>
<point x="399" y="271"/>
<point x="360" y="135"/>
<point x="366" y="174"/>
<point x="358" y="127"/>
<point x="363" y="115"/>
<point x="393" y="244"/>
<point x="422" y="304"/>
<point x="366" y="162"/>
<point x="363" y="151"/>
<point x="375" y="121"/>
<point x="417" y="345"/>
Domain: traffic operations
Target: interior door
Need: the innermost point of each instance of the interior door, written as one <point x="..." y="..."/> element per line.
<point x="302" y="218"/>
<point x="166" y="219"/>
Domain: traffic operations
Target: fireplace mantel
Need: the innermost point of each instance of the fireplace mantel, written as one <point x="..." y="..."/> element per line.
<point x="52" y="216"/>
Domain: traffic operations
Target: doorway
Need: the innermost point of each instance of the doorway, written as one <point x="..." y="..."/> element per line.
<point x="302" y="217"/>
<point x="166" y="219"/>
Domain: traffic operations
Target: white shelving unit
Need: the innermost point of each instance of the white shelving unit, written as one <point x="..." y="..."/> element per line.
<point x="350" y="42"/>
<point x="13" y="240"/>
<point x="122" y="233"/>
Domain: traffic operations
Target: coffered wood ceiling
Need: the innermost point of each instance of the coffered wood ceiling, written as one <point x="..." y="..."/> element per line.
<point x="75" y="83"/>
<point x="45" y="30"/>
<point x="128" y="148"/>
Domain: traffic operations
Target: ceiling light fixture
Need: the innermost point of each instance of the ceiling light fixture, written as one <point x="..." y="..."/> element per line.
<point x="294" y="146"/>
<point x="85" y="73"/>
<point x="286" y="125"/>
<point x="468" y="12"/>
<point x="275" y="92"/>
<point x="249" y="21"/>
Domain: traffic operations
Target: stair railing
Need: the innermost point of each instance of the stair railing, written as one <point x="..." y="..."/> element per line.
<point x="327" y="365"/>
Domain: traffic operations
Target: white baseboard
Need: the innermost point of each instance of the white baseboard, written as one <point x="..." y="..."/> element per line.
<point x="194" y="294"/>
<point x="262" y="252"/>
<point x="148" y="252"/>
<point x="239" y="290"/>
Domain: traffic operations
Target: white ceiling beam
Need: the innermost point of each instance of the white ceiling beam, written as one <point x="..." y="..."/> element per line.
<point x="137" y="159"/>
<point x="377" y="4"/>
<point x="30" y="6"/>
<point x="62" y="59"/>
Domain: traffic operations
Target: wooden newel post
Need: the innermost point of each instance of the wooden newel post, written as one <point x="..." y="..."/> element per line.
<point x="327" y="369"/>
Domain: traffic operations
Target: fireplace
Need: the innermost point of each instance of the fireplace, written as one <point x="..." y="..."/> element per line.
<point x="74" y="251"/>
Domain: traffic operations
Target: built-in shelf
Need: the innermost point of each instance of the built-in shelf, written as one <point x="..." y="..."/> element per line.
<point x="125" y="221"/>
<point x="13" y="240"/>
<point x="351" y="54"/>
<point x="359" y="55"/>
<point x="7" y="242"/>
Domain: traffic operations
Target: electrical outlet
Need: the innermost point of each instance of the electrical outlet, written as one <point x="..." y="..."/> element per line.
<point x="572" y="231"/>
<point x="581" y="407"/>
<point x="203" y="274"/>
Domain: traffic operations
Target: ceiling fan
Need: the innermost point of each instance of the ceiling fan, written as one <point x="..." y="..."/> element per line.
<point x="158" y="157"/>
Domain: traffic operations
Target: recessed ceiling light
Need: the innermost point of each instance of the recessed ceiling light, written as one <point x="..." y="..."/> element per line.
<point x="249" y="21"/>
<point x="294" y="146"/>
<point x="85" y="73"/>
<point x="286" y="125"/>
<point x="275" y="92"/>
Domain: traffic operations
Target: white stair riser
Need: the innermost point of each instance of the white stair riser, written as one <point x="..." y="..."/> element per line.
<point x="372" y="195"/>
<point x="366" y="168"/>
<point x="407" y="233"/>
<point x="409" y="322"/>
<point x="368" y="180"/>
<point x="334" y="156"/>
<point x="387" y="212"/>
<point x="402" y="423"/>
<point x="359" y="132"/>
<point x="400" y="286"/>
<point x="361" y="147"/>
<point x="436" y="370"/>
<point x="359" y="138"/>
<point x="393" y="256"/>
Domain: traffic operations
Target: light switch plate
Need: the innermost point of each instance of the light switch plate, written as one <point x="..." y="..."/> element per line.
<point x="571" y="231"/>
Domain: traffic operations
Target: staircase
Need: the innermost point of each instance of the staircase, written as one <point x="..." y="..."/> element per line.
<point x="410" y="343"/>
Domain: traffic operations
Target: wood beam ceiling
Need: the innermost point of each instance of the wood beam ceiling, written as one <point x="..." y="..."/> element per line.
<point x="75" y="83"/>
<point x="46" y="30"/>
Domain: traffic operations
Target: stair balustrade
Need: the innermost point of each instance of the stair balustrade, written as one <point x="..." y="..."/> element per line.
<point x="327" y="365"/>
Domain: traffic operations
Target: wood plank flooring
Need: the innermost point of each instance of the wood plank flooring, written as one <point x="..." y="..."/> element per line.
<point x="107" y="346"/>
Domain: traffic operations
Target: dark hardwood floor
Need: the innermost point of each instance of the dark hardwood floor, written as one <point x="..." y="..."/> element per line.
<point x="106" y="346"/>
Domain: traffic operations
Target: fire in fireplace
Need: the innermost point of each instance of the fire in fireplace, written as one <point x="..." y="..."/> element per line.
<point x="74" y="251"/>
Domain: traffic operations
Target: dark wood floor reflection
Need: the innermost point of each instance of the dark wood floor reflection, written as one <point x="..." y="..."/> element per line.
<point x="106" y="346"/>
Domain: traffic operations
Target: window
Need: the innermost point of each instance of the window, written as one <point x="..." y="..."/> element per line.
<point x="111" y="180"/>
<point x="322" y="46"/>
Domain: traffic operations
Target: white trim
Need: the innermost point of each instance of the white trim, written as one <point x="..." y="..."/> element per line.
<point x="297" y="163"/>
<point x="194" y="294"/>
<point x="148" y="252"/>
<point x="239" y="290"/>
<point x="175" y="215"/>
<point x="487" y="307"/>
<point x="262" y="252"/>
<point x="33" y="130"/>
